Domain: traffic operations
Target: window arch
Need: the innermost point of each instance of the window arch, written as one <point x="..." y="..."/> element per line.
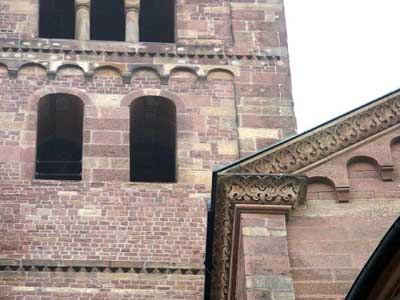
<point x="59" y="137"/>
<point x="107" y="20"/>
<point x="153" y="140"/>
<point x="157" y="21"/>
<point x="57" y="19"/>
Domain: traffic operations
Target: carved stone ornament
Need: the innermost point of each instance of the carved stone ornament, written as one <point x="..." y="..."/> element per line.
<point x="330" y="139"/>
<point x="237" y="189"/>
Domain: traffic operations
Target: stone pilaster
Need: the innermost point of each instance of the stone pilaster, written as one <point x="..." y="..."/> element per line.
<point x="132" y="8"/>
<point x="250" y="216"/>
<point x="82" y="20"/>
<point x="265" y="256"/>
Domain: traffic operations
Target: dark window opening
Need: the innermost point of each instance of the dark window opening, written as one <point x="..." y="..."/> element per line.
<point x="59" y="138"/>
<point x="153" y="140"/>
<point x="57" y="19"/>
<point x="107" y="20"/>
<point x="157" y="21"/>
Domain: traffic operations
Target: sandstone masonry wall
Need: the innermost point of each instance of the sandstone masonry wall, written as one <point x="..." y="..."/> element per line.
<point x="106" y="238"/>
<point x="329" y="242"/>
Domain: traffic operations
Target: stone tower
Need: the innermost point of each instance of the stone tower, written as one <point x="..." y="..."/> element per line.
<point x="113" y="115"/>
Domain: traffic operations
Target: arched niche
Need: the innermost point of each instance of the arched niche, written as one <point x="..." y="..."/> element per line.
<point x="366" y="167"/>
<point x="321" y="188"/>
<point x="59" y="137"/>
<point x="153" y="139"/>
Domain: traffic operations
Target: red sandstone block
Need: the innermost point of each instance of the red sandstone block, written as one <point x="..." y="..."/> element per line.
<point x="318" y="233"/>
<point x="239" y="25"/>
<point x="322" y="288"/>
<point x="251" y="15"/>
<point x="244" y="38"/>
<point x="321" y="261"/>
<point x="312" y="274"/>
<point x="267" y="26"/>
<point x="270" y="245"/>
<point x="107" y="124"/>
<point x="267" y="121"/>
<point x="345" y="274"/>
<point x="106" y="151"/>
<point x="266" y="264"/>
<point x="195" y="25"/>
<point x="263" y="91"/>
<point x="10" y="154"/>
<point x="270" y="78"/>
<point x="197" y="100"/>
<point x="259" y="295"/>
<point x="106" y="137"/>
<point x="110" y="175"/>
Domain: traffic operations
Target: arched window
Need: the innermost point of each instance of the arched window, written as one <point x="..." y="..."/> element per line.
<point x="107" y="20"/>
<point x="59" y="137"/>
<point x="157" y="21"/>
<point x="153" y="140"/>
<point x="57" y="19"/>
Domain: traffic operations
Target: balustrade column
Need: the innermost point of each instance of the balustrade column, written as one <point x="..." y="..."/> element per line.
<point x="82" y="20"/>
<point x="132" y="9"/>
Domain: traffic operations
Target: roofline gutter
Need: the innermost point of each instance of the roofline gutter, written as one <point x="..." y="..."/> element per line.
<point x="208" y="263"/>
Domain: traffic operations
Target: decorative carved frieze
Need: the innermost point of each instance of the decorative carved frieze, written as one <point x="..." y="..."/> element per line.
<point x="328" y="140"/>
<point x="238" y="189"/>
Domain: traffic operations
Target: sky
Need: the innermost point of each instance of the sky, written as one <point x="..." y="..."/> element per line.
<point x="343" y="53"/>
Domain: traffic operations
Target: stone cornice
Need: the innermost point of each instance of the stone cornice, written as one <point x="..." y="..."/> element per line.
<point x="273" y="192"/>
<point x="87" y="266"/>
<point x="325" y="141"/>
<point x="124" y="49"/>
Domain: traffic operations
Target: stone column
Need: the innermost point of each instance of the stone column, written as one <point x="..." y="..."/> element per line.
<point x="82" y="20"/>
<point x="132" y="8"/>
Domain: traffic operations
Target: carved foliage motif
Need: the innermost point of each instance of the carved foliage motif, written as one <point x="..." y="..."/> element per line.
<point x="328" y="141"/>
<point x="244" y="189"/>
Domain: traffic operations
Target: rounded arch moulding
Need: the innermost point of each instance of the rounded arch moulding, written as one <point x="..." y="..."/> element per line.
<point x="128" y="99"/>
<point x="49" y="90"/>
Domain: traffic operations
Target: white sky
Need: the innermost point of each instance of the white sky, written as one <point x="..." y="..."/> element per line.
<point x="343" y="53"/>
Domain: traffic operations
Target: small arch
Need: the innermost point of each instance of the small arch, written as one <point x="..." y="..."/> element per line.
<point x="48" y="90"/>
<point x="107" y="21"/>
<point x="220" y="73"/>
<point x="395" y="141"/>
<point x="70" y="69"/>
<point x="146" y="72"/>
<point x="363" y="167"/>
<point x="128" y="99"/>
<point x="59" y="137"/>
<point x="3" y="68"/>
<point x="395" y="151"/>
<point x="31" y="68"/>
<point x="107" y="71"/>
<point x="183" y="73"/>
<point x="57" y="19"/>
<point x="153" y="139"/>
<point x="321" y="188"/>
